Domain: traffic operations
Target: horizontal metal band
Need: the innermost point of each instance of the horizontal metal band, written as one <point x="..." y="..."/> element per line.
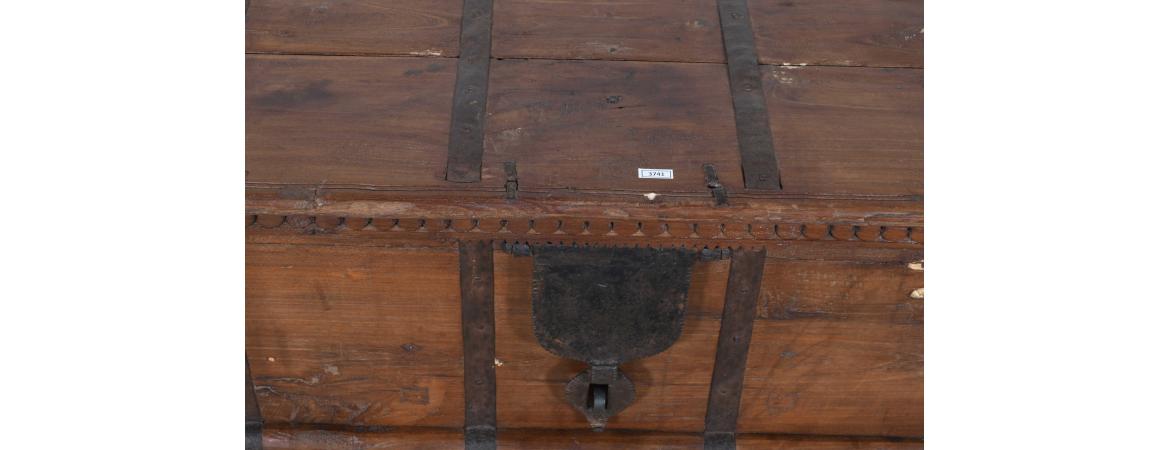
<point x="465" y="142"/>
<point x="756" y="152"/>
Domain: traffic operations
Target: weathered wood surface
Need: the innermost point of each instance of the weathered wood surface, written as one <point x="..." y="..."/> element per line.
<point x="399" y="438"/>
<point x="641" y="30"/>
<point x="786" y="240"/>
<point x="355" y="336"/>
<point x="583" y="125"/>
<point x="367" y="27"/>
<point x="316" y="120"/>
<point x="564" y="204"/>
<point x="370" y="336"/>
<point x="782" y="442"/>
<point x="590" y="125"/>
<point x="876" y="33"/>
<point x="847" y="130"/>
<point x="353" y="315"/>
<point x="443" y="439"/>
<point x="837" y="349"/>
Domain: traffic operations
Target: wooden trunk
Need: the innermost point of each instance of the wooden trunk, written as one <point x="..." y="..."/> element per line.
<point x="380" y="138"/>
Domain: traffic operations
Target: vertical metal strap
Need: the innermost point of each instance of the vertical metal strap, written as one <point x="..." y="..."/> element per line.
<point x="253" y="422"/>
<point x="465" y="142"/>
<point x="735" y="336"/>
<point x="756" y="152"/>
<point x="479" y="344"/>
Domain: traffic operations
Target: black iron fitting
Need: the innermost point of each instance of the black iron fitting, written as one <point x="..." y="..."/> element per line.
<point x="714" y="254"/>
<point x="517" y="248"/>
<point x="717" y="190"/>
<point x="606" y="306"/>
<point x="511" y="182"/>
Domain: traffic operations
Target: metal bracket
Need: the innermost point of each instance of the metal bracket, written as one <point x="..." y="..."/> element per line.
<point x="717" y="189"/>
<point x="511" y="183"/>
<point x="606" y="306"/>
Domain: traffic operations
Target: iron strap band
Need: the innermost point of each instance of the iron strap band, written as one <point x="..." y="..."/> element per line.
<point x="735" y="335"/>
<point x="756" y="152"/>
<point x="476" y="286"/>
<point x="465" y="141"/>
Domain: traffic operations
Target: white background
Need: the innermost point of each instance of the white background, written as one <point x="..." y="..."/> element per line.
<point x="1046" y="153"/>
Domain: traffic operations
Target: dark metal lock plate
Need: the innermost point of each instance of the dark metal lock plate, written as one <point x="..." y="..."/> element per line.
<point x="606" y="306"/>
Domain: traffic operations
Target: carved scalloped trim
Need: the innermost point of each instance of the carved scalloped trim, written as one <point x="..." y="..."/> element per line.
<point x="594" y="229"/>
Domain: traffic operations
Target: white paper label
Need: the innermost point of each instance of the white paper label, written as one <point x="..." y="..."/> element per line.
<point x="660" y="174"/>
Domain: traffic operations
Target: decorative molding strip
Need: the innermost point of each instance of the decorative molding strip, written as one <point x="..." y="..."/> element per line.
<point x="554" y="229"/>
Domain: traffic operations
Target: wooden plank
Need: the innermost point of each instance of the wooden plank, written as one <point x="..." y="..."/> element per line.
<point x="837" y="349"/>
<point x="338" y="120"/>
<point x="847" y="130"/>
<point x="782" y="442"/>
<point x="881" y="33"/>
<point x="585" y="439"/>
<point x="784" y="215"/>
<point x="735" y="337"/>
<point x="587" y="125"/>
<point x="671" y="386"/>
<point x="643" y="30"/>
<point x="593" y="124"/>
<point x="479" y="343"/>
<point x="443" y="439"/>
<point x="355" y="336"/>
<point x="375" y="27"/>
<point x="400" y="438"/>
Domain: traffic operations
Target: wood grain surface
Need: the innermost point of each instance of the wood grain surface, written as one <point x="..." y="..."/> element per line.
<point x="353" y="295"/>
<point x="355" y="336"/>
<point x="582" y="125"/>
<point x="443" y="439"/>
<point x="837" y="349"/>
<point x="640" y="30"/>
<point x="327" y="120"/>
<point x="593" y="124"/>
<point x="325" y="439"/>
<point x="847" y="130"/>
<point x="877" y="33"/>
<point x="375" y="27"/>
<point x="370" y="336"/>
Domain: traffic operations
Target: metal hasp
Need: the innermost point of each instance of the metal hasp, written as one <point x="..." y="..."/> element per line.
<point x="606" y="306"/>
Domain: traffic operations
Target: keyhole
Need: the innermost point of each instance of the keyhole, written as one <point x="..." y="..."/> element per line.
<point x="598" y="394"/>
